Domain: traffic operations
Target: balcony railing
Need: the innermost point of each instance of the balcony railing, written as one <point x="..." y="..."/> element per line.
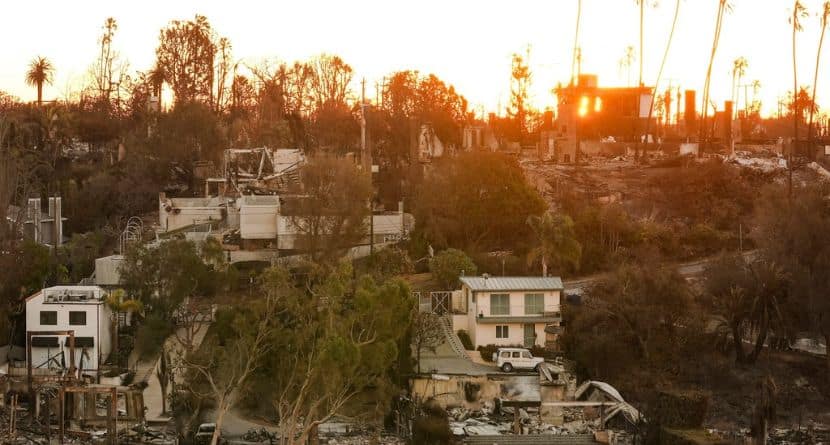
<point x="553" y="310"/>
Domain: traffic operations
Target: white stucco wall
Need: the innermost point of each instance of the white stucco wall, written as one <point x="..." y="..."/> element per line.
<point x="484" y="333"/>
<point x="97" y="326"/>
<point x="258" y="222"/>
<point x="188" y="216"/>
<point x="517" y="302"/>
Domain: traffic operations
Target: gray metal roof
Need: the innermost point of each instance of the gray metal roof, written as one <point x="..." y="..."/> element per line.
<point x="512" y="283"/>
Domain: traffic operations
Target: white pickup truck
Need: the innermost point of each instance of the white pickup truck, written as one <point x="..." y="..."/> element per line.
<point x="508" y="359"/>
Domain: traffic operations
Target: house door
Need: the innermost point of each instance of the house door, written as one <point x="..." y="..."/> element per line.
<point x="530" y="335"/>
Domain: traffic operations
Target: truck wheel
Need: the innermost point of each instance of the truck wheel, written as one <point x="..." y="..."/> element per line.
<point x="507" y="367"/>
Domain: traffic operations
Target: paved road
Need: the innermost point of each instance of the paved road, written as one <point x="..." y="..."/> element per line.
<point x="146" y="372"/>
<point x="687" y="270"/>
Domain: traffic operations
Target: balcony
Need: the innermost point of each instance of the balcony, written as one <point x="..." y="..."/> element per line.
<point x="517" y="314"/>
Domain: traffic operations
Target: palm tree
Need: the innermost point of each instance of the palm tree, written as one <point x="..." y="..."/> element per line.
<point x="663" y="65"/>
<point x="576" y="42"/>
<point x="739" y="66"/>
<point x="825" y="15"/>
<point x="767" y="291"/>
<point x="117" y="304"/>
<point x="557" y="244"/>
<point x="40" y="71"/>
<point x="626" y="61"/>
<point x="156" y="79"/>
<point x="723" y="7"/>
<point x="764" y="412"/>
<point x="799" y="12"/>
<point x="756" y="87"/>
<point x="642" y="4"/>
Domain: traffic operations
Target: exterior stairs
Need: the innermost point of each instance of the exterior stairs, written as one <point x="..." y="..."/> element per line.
<point x="451" y="337"/>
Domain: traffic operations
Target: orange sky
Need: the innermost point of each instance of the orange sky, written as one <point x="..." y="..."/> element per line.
<point x="467" y="43"/>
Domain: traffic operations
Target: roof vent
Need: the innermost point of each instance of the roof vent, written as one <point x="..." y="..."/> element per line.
<point x="485" y="276"/>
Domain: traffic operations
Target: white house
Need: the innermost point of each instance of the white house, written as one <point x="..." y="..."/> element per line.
<point x="64" y="308"/>
<point x="508" y="311"/>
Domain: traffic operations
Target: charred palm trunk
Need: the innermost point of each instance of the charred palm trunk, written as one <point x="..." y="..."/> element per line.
<point x="737" y="340"/>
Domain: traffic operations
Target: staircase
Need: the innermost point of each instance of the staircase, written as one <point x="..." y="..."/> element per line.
<point x="452" y="339"/>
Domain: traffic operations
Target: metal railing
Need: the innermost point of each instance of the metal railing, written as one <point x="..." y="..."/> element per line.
<point x="519" y="310"/>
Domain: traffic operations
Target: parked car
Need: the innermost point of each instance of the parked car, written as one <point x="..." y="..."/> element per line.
<point x="508" y="359"/>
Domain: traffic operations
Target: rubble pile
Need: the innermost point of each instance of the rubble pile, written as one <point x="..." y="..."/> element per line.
<point x="487" y="421"/>
<point x="27" y="431"/>
<point x="364" y="439"/>
<point x="140" y="434"/>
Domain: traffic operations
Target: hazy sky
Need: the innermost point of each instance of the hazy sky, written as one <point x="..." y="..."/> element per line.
<point x="466" y="43"/>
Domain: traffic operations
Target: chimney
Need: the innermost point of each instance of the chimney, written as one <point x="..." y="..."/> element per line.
<point x="547" y="120"/>
<point x="58" y="210"/>
<point x="690" y="113"/>
<point x="34" y="211"/>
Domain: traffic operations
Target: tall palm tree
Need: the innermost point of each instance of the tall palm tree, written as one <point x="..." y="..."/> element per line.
<point x="739" y="66"/>
<point x="117" y="303"/>
<point x="756" y="87"/>
<point x="825" y="15"/>
<point x="556" y="242"/>
<point x="40" y="72"/>
<point x="663" y="65"/>
<point x="626" y="61"/>
<point x="799" y="12"/>
<point x="642" y="4"/>
<point x="156" y="79"/>
<point x="764" y="412"/>
<point x="576" y="42"/>
<point x="723" y="7"/>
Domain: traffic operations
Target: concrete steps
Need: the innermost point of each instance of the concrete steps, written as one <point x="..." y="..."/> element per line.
<point x="452" y="339"/>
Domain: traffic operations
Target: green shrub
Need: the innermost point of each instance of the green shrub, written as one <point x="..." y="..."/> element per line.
<point x="450" y="264"/>
<point x="486" y="352"/>
<point x="151" y="335"/>
<point x="465" y="340"/>
<point x="387" y="263"/>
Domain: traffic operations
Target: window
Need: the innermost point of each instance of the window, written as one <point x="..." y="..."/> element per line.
<point x="504" y="354"/>
<point x="48" y="318"/>
<point x="525" y="354"/>
<point x="82" y="342"/>
<point x="501" y="332"/>
<point x="499" y="304"/>
<point x="534" y="304"/>
<point x="515" y="354"/>
<point x="77" y="318"/>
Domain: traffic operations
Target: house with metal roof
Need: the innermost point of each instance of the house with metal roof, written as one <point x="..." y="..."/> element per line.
<point x="507" y="311"/>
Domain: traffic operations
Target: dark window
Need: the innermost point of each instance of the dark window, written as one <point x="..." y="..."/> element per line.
<point x="502" y="332"/>
<point x="77" y="318"/>
<point x="48" y="318"/>
<point x="45" y="342"/>
<point x="82" y="342"/>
